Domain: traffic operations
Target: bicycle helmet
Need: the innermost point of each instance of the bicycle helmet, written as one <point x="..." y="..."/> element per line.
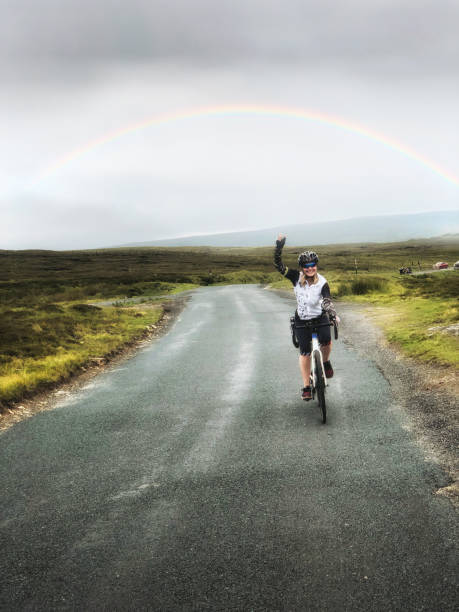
<point x="307" y="257"/>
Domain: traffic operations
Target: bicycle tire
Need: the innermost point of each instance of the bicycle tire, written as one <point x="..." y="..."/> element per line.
<point x="320" y="387"/>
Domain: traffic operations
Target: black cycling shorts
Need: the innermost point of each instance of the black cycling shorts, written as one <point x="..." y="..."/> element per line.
<point x="304" y="334"/>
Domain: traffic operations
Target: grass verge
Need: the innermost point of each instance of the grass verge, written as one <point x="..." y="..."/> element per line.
<point x="46" y="336"/>
<point x="43" y="346"/>
<point x="424" y="329"/>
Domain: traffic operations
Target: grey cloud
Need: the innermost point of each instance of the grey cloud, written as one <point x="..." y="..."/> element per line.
<point x="407" y="34"/>
<point x="77" y="70"/>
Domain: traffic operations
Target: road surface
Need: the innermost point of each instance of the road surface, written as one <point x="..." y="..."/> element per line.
<point x="193" y="477"/>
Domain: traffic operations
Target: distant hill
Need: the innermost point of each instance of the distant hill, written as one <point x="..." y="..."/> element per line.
<point x="391" y="228"/>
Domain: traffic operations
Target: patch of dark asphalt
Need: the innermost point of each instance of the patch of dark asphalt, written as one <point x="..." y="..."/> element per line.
<point x="430" y="408"/>
<point x="188" y="481"/>
<point x="48" y="398"/>
<point x="429" y="405"/>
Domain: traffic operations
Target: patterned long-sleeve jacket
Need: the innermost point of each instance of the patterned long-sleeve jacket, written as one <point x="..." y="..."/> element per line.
<point x="312" y="300"/>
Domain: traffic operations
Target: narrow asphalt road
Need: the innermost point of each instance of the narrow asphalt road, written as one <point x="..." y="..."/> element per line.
<point x="193" y="477"/>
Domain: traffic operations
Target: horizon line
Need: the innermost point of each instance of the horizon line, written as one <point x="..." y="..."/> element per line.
<point x="264" y="229"/>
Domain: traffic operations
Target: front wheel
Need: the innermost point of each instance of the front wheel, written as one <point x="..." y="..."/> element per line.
<point x="320" y="386"/>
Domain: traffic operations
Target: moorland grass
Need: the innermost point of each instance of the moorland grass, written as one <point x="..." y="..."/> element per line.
<point x="418" y="315"/>
<point x="419" y="327"/>
<point x="424" y="313"/>
<point x="114" y="270"/>
<point x="48" y="328"/>
<point x="44" y="345"/>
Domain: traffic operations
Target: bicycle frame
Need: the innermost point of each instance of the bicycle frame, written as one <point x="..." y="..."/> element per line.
<point x="315" y="350"/>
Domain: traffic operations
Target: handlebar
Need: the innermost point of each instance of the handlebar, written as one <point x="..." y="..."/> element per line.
<point x="316" y="325"/>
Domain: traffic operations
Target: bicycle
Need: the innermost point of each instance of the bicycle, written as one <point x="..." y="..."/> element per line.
<point x="318" y="378"/>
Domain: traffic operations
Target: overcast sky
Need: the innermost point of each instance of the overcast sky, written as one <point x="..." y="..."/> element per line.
<point x="73" y="71"/>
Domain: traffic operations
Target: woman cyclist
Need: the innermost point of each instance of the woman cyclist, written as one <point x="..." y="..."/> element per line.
<point x="313" y="304"/>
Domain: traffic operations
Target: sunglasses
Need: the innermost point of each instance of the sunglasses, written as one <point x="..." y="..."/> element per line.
<point x="310" y="265"/>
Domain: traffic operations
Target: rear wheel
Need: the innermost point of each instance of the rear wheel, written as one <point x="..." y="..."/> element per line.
<point x="320" y="387"/>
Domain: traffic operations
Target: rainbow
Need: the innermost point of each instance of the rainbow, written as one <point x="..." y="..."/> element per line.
<point x="244" y="110"/>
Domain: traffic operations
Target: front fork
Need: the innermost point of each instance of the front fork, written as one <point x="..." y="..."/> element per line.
<point x="315" y="341"/>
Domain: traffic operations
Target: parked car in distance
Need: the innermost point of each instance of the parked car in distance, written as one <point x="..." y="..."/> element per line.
<point x="440" y="265"/>
<point x="456" y="265"/>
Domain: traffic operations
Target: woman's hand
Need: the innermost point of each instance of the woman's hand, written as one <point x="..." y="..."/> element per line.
<point x="280" y="241"/>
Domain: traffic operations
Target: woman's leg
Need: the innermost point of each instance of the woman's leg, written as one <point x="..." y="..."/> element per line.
<point x="304" y="340"/>
<point x="325" y="338"/>
<point x="326" y="350"/>
<point x="305" y="369"/>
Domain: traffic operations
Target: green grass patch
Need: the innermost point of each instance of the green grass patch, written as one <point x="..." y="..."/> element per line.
<point x="419" y="327"/>
<point x="417" y="310"/>
<point x="248" y="277"/>
<point x="444" y="284"/>
<point x="46" y="345"/>
<point x="363" y="285"/>
<point x="48" y="330"/>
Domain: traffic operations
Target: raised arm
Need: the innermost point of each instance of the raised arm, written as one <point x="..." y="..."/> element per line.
<point x="278" y="254"/>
